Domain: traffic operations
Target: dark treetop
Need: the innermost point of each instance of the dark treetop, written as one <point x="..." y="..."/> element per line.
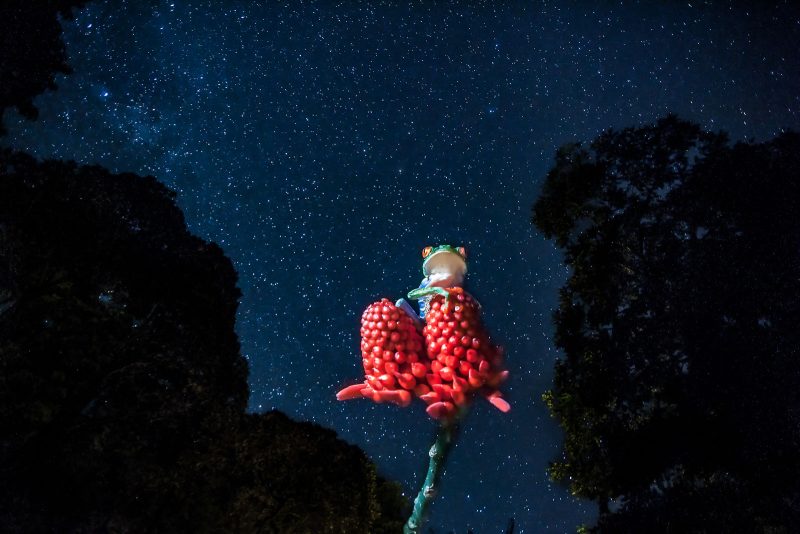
<point x="31" y="51"/>
<point x="123" y="392"/>
<point x="679" y="390"/>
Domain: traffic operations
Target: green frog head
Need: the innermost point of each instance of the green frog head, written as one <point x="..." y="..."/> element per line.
<point x="444" y="268"/>
<point x="444" y="265"/>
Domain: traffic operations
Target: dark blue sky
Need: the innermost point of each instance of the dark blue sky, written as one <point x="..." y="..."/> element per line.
<point x="323" y="145"/>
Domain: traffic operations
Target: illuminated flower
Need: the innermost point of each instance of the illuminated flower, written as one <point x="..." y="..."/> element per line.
<point x="392" y="352"/>
<point x="463" y="359"/>
<point x="454" y="360"/>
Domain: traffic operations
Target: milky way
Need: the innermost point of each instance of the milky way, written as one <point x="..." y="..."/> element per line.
<point x="323" y="146"/>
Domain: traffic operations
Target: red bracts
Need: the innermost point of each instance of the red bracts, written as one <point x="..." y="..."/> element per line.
<point x="454" y="360"/>
<point x="463" y="359"/>
<point x="393" y="357"/>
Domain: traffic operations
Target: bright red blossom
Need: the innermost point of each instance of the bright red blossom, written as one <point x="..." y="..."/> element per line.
<point x="395" y="363"/>
<point x="463" y="359"/>
<point x="454" y="360"/>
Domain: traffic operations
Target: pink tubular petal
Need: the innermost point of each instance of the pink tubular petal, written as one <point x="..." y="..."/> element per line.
<point x="399" y="397"/>
<point x="351" y="392"/>
<point x="444" y="391"/>
<point x="406" y="380"/>
<point x="459" y="384"/>
<point x="440" y="410"/>
<point x="422" y="389"/>
<point x="475" y="380"/>
<point x="431" y="397"/>
<point x="499" y="402"/>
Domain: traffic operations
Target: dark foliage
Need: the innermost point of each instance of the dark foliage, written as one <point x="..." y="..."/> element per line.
<point x="31" y="51"/>
<point x="680" y="386"/>
<point x="122" y="390"/>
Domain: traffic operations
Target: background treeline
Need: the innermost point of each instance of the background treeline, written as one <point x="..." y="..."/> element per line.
<point x="679" y="387"/>
<point x="122" y="389"/>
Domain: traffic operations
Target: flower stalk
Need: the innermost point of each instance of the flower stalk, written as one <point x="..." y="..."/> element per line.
<point x="445" y="439"/>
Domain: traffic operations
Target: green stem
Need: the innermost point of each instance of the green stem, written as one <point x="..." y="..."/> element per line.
<point x="445" y="437"/>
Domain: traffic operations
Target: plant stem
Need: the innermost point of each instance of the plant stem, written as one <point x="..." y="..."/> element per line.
<point x="445" y="437"/>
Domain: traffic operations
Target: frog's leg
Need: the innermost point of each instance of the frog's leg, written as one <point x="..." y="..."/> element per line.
<point x="422" y="292"/>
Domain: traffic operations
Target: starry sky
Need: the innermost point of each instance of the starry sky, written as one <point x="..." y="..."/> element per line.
<point x="324" y="144"/>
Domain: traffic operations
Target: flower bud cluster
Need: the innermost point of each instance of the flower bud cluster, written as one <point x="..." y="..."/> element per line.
<point x="444" y="364"/>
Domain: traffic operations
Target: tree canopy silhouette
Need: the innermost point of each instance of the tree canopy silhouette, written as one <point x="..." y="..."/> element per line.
<point x="679" y="388"/>
<point x="123" y="392"/>
<point x="31" y="51"/>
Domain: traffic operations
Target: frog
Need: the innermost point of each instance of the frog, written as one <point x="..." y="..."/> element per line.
<point x="443" y="266"/>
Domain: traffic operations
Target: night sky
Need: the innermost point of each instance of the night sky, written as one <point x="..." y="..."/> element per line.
<point x="323" y="146"/>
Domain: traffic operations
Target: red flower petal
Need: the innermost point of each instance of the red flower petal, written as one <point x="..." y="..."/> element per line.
<point x="499" y="402"/>
<point x="440" y="410"/>
<point x="351" y="392"/>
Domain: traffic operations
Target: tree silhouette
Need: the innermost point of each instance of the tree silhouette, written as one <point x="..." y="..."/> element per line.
<point x="679" y="387"/>
<point x="31" y="51"/>
<point x="123" y="392"/>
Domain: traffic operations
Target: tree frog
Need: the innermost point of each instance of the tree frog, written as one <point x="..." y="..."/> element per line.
<point x="443" y="266"/>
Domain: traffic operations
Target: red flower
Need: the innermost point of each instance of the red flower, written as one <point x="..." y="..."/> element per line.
<point x="392" y="353"/>
<point x="463" y="360"/>
<point x="455" y="359"/>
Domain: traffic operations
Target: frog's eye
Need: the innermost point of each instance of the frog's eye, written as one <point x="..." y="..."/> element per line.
<point x="463" y="252"/>
<point x="426" y="251"/>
